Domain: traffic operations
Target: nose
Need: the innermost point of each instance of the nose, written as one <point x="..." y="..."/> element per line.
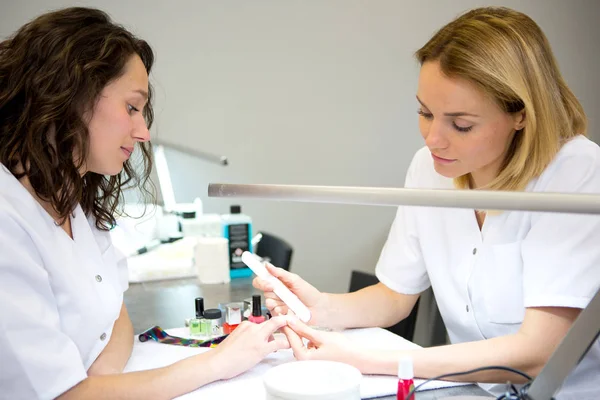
<point x="435" y="137"/>
<point x="141" y="133"/>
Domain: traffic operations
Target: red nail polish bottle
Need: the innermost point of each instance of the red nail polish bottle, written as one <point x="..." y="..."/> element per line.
<point x="405" y="379"/>
<point x="256" y="316"/>
<point x="233" y="317"/>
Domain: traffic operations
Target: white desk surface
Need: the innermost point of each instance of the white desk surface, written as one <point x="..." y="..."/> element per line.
<point x="149" y="355"/>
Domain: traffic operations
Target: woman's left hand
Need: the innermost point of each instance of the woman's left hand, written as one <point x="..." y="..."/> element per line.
<point x="332" y="346"/>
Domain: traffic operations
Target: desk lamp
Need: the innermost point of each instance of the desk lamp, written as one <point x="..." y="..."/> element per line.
<point x="586" y="328"/>
<point x="162" y="169"/>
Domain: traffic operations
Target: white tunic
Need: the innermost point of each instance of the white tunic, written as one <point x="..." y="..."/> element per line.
<point x="59" y="297"/>
<point x="484" y="279"/>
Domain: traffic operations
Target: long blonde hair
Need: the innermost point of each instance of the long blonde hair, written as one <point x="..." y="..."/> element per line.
<point x="507" y="56"/>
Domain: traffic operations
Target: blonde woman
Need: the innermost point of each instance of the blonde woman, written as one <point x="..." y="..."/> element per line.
<point x="495" y="114"/>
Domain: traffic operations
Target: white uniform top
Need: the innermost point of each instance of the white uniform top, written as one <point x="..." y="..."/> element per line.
<point x="59" y="298"/>
<point x="484" y="279"/>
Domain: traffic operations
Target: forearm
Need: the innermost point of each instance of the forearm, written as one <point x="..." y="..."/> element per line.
<point x="527" y="350"/>
<point x="163" y="383"/>
<point x="115" y="355"/>
<point x="516" y="351"/>
<point x="372" y="306"/>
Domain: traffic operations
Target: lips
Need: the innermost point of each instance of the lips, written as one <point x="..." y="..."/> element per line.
<point x="442" y="160"/>
<point x="127" y="150"/>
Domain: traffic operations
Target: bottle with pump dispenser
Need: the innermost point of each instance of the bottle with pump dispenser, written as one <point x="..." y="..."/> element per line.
<point x="237" y="228"/>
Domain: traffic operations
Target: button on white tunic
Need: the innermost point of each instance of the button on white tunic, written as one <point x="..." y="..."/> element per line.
<point x="59" y="297"/>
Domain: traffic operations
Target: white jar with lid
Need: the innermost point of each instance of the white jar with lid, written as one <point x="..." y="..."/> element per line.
<point x="313" y="380"/>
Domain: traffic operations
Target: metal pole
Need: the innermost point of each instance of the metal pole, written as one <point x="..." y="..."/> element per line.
<point x="469" y="199"/>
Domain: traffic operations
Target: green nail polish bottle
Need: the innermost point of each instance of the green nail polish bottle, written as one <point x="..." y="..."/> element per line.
<point x="196" y="323"/>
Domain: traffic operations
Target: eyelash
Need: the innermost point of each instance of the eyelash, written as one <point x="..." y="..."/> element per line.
<point x="429" y="116"/>
<point x="131" y="108"/>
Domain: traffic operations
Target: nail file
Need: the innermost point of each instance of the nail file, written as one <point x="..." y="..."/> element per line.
<point x="289" y="298"/>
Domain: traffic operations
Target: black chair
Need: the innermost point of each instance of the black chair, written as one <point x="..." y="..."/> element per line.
<point x="275" y="249"/>
<point x="404" y="328"/>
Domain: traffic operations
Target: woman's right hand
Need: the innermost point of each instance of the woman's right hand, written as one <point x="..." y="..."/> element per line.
<point x="312" y="298"/>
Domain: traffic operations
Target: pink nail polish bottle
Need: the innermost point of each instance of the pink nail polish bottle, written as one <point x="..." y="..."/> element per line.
<point x="256" y="316"/>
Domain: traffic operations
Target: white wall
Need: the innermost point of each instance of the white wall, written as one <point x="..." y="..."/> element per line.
<point x="309" y="92"/>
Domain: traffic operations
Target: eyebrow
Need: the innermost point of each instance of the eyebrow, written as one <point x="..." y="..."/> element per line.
<point x="451" y="114"/>
<point x="143" y="93"/>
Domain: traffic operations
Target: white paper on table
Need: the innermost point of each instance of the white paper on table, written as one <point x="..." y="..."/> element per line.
<point x="249" y="385"/>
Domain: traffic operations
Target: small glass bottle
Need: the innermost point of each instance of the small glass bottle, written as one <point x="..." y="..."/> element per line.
<point x="233" y="317"/>
<point x="405" y="378"/>
<point x="256" y="316"/>
<point x="196" y="322"/>
<point x="210" y="325"/>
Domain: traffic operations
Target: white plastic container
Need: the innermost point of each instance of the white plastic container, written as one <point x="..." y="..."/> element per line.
<point x="211" y="259"/>
<point x="313" y="380"/>
<point x="205" y="225"/>
<point x="168" y="227"/>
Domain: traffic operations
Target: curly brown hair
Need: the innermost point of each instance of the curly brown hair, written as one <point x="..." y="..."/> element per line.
<point x="52" y="70"/>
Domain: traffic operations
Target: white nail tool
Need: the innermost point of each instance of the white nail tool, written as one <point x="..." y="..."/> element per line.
<point x="289" y="298"/>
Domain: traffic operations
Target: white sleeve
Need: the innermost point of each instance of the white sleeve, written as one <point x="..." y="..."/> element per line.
<point x="37" y="360"/>
<point x="401" y="266"/>
<point x="561" y="252"/>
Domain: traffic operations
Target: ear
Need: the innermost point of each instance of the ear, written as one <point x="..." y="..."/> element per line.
<point x="519" y="120"/>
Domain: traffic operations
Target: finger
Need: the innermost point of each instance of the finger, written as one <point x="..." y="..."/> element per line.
<point x="256" y="282"/>
<point x="296" y="343"/>
<point x="280" y="343"/>
<point x="284" y="276"/>
<point x="292" y="337"/>
<point x="262" y="284"/>
<point x="291" y="313"/>
<point x="277" y="307"/>
<point x="271" y="295"/>
<point x="272" y="303"/>
<point x="243" y="326"/>
<point x="305" y="331"/>
<point x="281" y="310"/>
<point x="269" y="327"/>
